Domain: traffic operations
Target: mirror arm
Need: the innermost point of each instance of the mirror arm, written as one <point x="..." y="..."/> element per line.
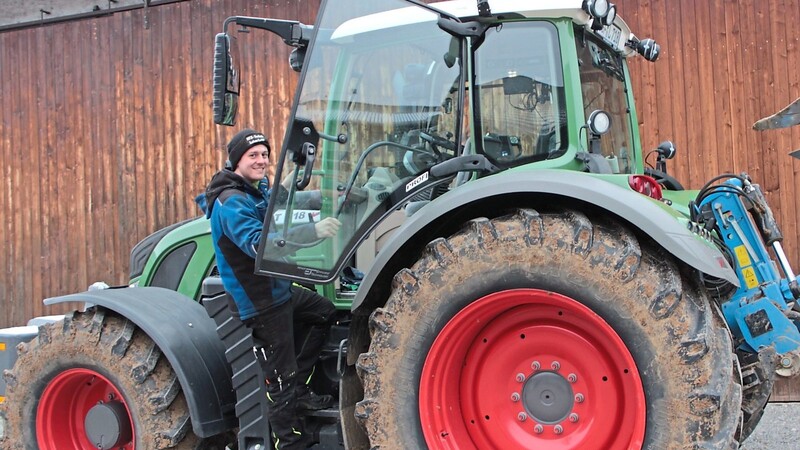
<point x="292" y="32"/>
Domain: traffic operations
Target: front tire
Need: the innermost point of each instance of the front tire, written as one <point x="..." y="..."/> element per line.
<point x="94" y="380"/>
<point x="547" y="331"/>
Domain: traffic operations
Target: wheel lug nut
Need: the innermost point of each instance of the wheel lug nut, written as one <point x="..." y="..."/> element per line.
<point x="520" y="377"/>
<point x="515" y="397"/>
<point x="579" y="398"/>
<point x="538" y="429"/>
<point x="572" y="378"/>
<point x="573" y="417"/>
<point x="522" y="417"/>
<point x="557" y="429"/>
<point x="556" y="365"/>
<point x="535" y="365"/>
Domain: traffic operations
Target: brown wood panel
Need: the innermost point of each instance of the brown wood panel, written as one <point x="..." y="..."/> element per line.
<point x="32" y="215"/>
<point x="721" y="108"/>
<point x="780" y="86"/>
<point x="142" y="220"/>
<point x="14" y="178"/>
<point x="125" y="134"/>
<point x="106" y="132"/>
<point x="792" y="212"/>
<point x="680" y="121"/>
<point x="48" y="149"/>
<point x="5" y="141"/>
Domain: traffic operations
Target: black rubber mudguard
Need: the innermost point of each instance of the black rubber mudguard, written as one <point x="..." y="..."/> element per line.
<point x="187" y="336"/>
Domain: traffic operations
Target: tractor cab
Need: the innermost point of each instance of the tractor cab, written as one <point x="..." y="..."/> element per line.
<point x="400" y="102"/>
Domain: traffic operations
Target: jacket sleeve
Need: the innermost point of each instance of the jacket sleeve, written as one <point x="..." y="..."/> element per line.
<point x="242" y="225"/>
<point x="302" y="199"/>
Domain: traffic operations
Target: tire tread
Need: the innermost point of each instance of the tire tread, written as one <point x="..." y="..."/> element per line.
<point x="665" y="297"/>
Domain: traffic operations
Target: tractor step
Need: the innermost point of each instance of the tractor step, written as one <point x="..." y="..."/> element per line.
<point x="252" y="408"/>
<point x="329" y="413"/>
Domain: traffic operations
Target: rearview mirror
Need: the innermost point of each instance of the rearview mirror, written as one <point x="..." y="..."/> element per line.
<point x="226" y="80"/>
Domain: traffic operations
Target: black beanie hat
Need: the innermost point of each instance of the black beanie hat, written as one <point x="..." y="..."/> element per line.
<point x="241" y="142"/>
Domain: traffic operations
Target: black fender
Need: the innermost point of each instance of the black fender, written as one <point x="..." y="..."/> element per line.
<point x="187" y="336"/>
<point x="555" y="187"/>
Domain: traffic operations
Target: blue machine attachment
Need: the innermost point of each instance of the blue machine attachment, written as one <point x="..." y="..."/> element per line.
<point x="762" y="311"/>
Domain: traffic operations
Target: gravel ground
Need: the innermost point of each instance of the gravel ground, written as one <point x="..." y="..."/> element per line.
<point x="778" y="429"/>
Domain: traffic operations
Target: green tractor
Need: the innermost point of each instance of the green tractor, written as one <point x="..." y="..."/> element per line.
<point x="529" y="282"/>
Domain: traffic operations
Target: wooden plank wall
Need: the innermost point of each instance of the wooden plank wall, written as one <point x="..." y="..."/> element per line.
<point x="106" y="135"/>
<point x="106" y="130"/>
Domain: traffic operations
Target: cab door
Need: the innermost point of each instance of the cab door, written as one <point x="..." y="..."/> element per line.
<point x="377" y="106"/>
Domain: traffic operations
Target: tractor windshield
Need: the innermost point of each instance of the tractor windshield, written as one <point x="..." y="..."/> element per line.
<point x="603" y="87"/>
<point x="381" y="89"/>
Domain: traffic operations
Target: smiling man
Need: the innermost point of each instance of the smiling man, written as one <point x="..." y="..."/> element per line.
<point x="236" y="203"/>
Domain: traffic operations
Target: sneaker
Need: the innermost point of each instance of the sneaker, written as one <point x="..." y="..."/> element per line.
<point x="308" y="400"/>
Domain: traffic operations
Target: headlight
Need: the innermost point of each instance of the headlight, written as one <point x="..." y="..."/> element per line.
<point x="599" y="122"/>
<point x="612" y="14"/>
<point x="598" y="9"/>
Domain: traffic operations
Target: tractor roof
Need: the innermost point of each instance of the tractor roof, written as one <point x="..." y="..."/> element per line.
<point x="468" y="9"/>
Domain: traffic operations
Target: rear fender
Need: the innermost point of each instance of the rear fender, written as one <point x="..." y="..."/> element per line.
<point x="188" y="338"/>
<point x="521" y="188"/>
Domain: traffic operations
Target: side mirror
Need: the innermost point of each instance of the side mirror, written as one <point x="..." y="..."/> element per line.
<point x="648" y="48"/>
<point x="666" y="150"/>
<point x="296" y="58"/>
<point x="226" y="80"/>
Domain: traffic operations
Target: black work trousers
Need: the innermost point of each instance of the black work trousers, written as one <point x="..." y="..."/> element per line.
<point x="292" y="335"/>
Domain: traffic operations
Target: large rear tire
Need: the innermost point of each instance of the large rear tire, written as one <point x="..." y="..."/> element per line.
<point x="94" y="380"/>
<point x="547" y="331"/>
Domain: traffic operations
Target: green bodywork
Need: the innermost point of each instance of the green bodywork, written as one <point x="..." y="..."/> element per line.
<point x="199" y="265"/>
<point x="202" y="262"/>
<point x="334" y="173"/>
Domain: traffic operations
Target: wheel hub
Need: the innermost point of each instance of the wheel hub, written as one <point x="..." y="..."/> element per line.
<point x="548" y="397"/>
<point x="81" y="408"/>
<point x="107" y="425"/>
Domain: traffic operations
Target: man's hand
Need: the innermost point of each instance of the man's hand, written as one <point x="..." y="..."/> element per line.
<point x="327" y="227"/>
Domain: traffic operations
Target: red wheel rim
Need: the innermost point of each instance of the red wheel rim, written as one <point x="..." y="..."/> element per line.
<point x="65" y="404"/>
<point x="526" y="368"/>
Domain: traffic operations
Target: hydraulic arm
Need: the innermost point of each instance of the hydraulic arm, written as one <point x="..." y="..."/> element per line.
<point x="762" y="312"/>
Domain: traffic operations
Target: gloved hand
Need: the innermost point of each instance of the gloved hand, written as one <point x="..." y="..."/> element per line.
<point x="327" y="227"/>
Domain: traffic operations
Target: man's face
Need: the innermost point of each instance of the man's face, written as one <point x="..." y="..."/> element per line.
<point x="253" y="165"/>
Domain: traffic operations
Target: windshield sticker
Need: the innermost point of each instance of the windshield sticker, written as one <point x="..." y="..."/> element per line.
<point x="417" y="181"/>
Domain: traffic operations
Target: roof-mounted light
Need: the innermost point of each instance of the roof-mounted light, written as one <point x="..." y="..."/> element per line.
<point x="612" y="14"/>
<point x="596" y="8"/>
<point x="599" y="10"/>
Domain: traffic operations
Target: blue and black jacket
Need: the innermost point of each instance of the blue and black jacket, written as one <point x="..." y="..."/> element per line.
<point x="236" y="210"/>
